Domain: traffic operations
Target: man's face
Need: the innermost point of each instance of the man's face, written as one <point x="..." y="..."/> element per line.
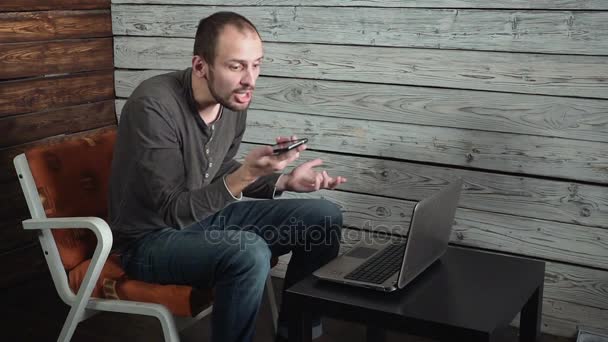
<point x="232" y="76"/>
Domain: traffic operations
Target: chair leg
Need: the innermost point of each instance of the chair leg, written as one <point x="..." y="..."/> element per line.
<point x="169" y="330"/>
<point x="273" y="303"/>
<point x="165" y="317"/>
<point x="183" y="323"/>
<point x="69" y="326"/>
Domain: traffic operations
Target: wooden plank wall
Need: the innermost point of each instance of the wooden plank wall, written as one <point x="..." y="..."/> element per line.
<point x="56" y="77"/>
<point x="401" y="96"/>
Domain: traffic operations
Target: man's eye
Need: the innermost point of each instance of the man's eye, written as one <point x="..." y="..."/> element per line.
<point x="235" y="67"/>
<point x="255" y="66"/>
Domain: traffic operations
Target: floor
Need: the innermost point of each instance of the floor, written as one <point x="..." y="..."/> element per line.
<point x="34" y="312"/>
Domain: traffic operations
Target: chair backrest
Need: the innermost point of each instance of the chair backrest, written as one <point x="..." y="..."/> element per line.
<point x="70" y="178"/>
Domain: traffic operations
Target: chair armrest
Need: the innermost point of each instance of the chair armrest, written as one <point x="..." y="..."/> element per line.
<point x="97" y="225"/>
<point x="102" y="232"/>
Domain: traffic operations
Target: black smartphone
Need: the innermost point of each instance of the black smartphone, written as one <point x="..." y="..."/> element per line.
<point x="288" y="145"/>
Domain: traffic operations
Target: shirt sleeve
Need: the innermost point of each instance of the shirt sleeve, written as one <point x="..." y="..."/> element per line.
<point x="161" y="174"/>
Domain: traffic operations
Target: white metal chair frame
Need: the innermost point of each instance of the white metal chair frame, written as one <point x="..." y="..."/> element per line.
<point x="82" y="304"/>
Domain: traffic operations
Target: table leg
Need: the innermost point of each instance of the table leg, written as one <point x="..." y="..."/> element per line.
<point x="530" y="318"/>
<point x="375" y="334"/>
<point x="300" y="327"/>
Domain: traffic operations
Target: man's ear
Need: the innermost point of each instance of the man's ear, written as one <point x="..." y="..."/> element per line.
<point x="200" y="66"/>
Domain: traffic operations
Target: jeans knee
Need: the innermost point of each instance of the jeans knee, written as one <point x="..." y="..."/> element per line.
<point x="327" y="213"/>
<point x="331" y="217"/>
<point x="254" y="254"/>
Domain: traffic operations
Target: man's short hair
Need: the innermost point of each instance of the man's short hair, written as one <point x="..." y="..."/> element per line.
<point x="209" y="29"/>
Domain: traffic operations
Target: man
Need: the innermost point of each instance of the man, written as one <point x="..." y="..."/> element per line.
<point x="175" y="186"/>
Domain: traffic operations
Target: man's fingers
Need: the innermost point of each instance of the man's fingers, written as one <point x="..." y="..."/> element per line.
<point x="337" y="181"/>
<point x="318" y="181"/>
<point x="285" y="139"/>
<point x="326" y="180"/>
<point x="312" y="163"/>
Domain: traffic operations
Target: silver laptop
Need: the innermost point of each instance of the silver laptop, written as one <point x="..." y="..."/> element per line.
<point x="387" y="265"/>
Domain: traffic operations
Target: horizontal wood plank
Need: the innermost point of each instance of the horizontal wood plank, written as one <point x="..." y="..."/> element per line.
<point x="13" y="236"/>
<point x="563" y="318"/>
<point x="26" y="128"/>
<point x="32" y="59"/>
<point x="562" y="32"/>
<point x="559" y="201"/>
<point x="7" y="169"/>
<point x="12" y="212"/>
<point x="580" y="119"/>
<point x="40" y="5"/>
<point x="474" y="228"/>
<point x="503" y="152"/>
<point x="530" y="155"/>
<point x="21" y="265"/>
<point x="49" y="25"/>
<point x="583" y="76"/>
<point x="31" y="95"/>
<point x="483" y="4"/>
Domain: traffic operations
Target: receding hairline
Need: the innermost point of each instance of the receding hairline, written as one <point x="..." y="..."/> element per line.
<point x="241" y="27"/>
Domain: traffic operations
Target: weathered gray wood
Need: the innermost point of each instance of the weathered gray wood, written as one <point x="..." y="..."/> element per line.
<point x="559" y="201"/>
<point x="573" y="295"/>
<point x="580" y="119"/>
<point x="505" y="30"/>
<point x="567" y="202"/>
<point x="367" y="212"/>
<point x="579" y="285"/>
<point x="532" y="155"/>
<point x="524" y="4"/>
<point x="473" y="228"/>
<point x="118" y="104"/>
<point x="566" y="75"/>
<point x="563" y="318"/>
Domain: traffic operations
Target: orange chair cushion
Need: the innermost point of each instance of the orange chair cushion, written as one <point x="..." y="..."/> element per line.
<point x="72" y="175"/>
<point x="114" y="284"/>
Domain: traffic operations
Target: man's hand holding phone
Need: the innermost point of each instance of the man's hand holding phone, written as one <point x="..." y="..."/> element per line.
<point x="262" y="161"/>
<point x="266" y="160"/>
<point x="303" y="178"/>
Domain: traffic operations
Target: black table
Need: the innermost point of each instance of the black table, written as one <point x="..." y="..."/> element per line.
<point x="467" y="295"/>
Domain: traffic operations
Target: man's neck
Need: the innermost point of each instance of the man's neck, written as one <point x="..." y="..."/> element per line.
<point x="210" y="114"/>
<point x="206" y="105"/>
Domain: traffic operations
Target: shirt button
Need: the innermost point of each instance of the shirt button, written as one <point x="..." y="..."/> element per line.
<point x="207" y="151"/>
<point x="210" y="164"/>
<point x="206" y="175"/>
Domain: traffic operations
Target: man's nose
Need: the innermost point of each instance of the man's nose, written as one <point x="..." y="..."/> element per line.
<point x="248" y="79"/>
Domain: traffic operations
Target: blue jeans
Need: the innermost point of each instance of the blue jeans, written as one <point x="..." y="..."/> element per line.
<point x="230" y="251"/>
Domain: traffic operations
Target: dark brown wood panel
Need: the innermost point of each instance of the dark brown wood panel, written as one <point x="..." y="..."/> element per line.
<point x="12" y="212"/>
<point x="32" y="95"/>
<point x="49" y="25"/>
<point x="7" y="170"/>
<point x="38" y="5"/>
<point x="13" y="236"/>
<point x="21" y="265"/>
<point x="26" y="128"/>
<point x="32" y="59"/>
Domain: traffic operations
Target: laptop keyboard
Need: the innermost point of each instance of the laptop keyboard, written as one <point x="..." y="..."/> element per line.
<point x="381" y="266"/>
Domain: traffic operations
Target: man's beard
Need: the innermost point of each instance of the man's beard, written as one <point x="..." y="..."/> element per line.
<point x="218" y="98"/>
